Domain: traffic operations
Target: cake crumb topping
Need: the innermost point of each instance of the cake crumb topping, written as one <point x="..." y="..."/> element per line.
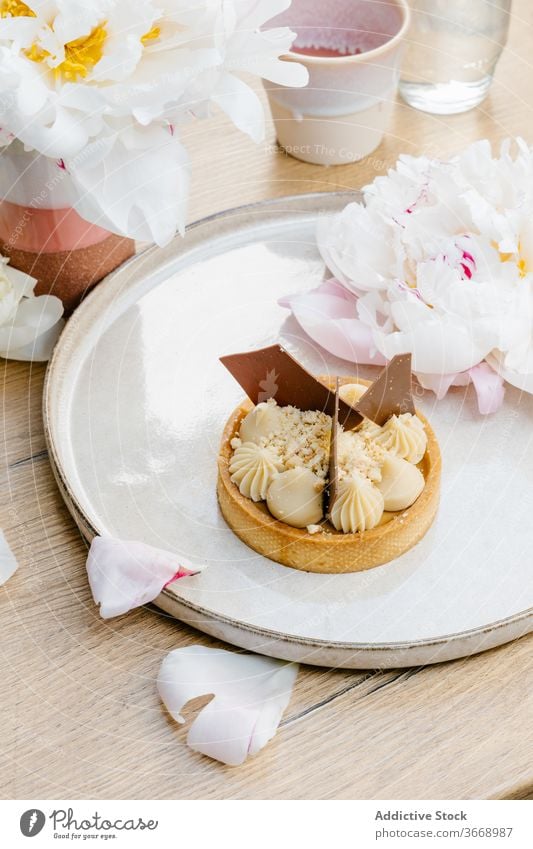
<point x="358" y="452"/>
<point x="301" y="439"/>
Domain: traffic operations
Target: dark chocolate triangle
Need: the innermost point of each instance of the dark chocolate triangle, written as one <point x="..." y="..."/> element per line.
<point x="330" y="491"/>
<point x="273" y="373"/>
<point x="391" y="393"/>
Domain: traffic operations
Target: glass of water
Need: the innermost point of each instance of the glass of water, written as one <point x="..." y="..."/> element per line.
<point x="452" y="50"/>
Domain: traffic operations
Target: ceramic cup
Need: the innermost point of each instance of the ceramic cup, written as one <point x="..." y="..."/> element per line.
<point x="352" y="50"/>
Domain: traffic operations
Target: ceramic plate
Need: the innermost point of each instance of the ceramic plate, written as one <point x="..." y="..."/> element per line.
<point x="135" y="403"/>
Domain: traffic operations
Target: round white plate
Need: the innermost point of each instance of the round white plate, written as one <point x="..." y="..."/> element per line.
<point x="135" y="403"/>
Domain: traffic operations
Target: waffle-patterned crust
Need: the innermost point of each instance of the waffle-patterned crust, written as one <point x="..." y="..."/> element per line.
<point x="329" y="552"/>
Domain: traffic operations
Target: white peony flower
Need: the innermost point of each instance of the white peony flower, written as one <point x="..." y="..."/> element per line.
<point x="439" y="263"/>
<point x="104" y="86"/>
<point x="29" y="325"/>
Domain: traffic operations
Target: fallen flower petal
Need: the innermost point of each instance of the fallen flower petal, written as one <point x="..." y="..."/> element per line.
<point x="250" y="694"/>
<point x="29" y="325"/>
<point x="8" y="563"/>
<point x="38" y="350"/>
<point x="125" y="574"/>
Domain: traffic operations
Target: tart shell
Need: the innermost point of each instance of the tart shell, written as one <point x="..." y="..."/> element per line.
<point x="328" y="551"/>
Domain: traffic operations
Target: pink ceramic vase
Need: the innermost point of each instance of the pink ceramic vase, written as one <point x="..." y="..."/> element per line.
<point x="44" y="236"/>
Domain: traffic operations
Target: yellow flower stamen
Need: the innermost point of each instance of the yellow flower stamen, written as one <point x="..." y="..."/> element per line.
<point x="36" y="53"/>
<point x="521" y="263"/>
<point x="15" y="9"/>
<point x="151" y="35"/>
<point x="81" y="55"/>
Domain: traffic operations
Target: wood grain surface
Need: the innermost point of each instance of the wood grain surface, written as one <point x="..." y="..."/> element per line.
<point x="80" y="717"/>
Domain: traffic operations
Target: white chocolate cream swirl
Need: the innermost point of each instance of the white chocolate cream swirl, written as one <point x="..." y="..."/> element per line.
<point x="358" y="505"/>
<point x="404" y="436"/>
<point x="253" y="469"/>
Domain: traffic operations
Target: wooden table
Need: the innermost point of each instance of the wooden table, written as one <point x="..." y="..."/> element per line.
<point x="80" y="717"/>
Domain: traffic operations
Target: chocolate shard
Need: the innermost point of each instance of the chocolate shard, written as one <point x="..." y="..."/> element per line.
<point x="391" y="393"/>
<point x="273" y="373"/>
<point x="330" y="491"/>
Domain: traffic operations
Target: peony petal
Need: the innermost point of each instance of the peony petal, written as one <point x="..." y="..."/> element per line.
<point x="250" y="695"/>
<point x="39" y="350"/>
<point x="34" y="329"/>
<point x="489" y="387"/>
<point x="321" y="304"/>
<point x="38" y="313"/>
<point x="22" y="283"/>
<point x="22" y="29"/>
<point x="282" y="72"/>
<point x="332" y="286"/>
<point x="324" y="244"/>
<point x="65" y="136"/>
<point x="331" y="322"/>
<point x="522" y="379"/>
<point x="256" y="50"/>
<point x="254" y="15"/>
<point x="437" y="383"/>
<point x="360" y="247"/>
<point x="242" y="105"/>
<point x="8" y="564"/>
<point x="133" y="190"/>
<point x="124" y="575"/>
<point x="487" y="383"/>
<point x="437" y="347"/>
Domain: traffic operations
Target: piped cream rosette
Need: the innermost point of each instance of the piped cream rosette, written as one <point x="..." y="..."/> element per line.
<point x="276" y="459"/>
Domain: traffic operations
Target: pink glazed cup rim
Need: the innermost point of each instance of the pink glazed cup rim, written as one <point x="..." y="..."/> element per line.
<point x="357" y="58"/>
